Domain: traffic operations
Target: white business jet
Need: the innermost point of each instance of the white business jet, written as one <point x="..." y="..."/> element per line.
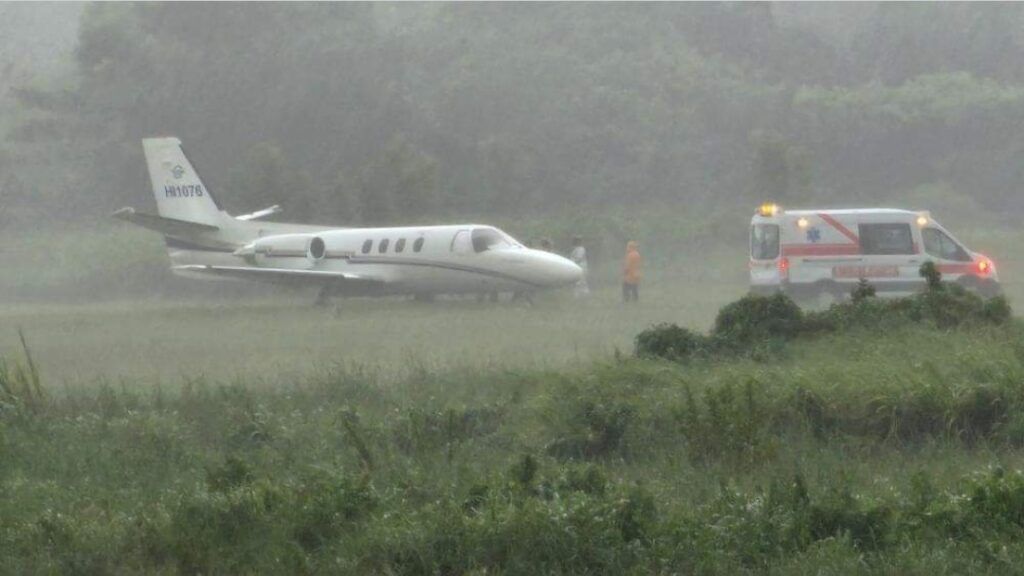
<point x="205" y="241"/>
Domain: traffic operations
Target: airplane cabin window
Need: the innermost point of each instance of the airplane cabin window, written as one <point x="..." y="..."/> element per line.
<point x="417" y="245"/>
<point x="939" y="244"/>
<point x="400" y="245"/>
<point x="367" y="246"/>
<point x="383" y="246"/>
<point x="461" y="242"/>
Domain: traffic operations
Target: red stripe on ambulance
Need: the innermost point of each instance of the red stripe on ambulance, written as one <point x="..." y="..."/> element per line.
<point x="838" y="226"/>
<point x="820" y="249"/>
<point x="965" y="268"/>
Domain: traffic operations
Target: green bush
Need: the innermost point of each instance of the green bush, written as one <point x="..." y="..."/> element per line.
<point x="595" y="430"/>
<point x="668" y="341"/>
<point x="759" y="326"/>
<point x="755" y="318"/>
<point x="728" y="423"/>
<point x="325" y="505"/>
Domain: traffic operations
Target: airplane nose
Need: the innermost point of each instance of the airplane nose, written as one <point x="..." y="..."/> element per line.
<point x="569" y="272"/>
<point x="558" y="271"/>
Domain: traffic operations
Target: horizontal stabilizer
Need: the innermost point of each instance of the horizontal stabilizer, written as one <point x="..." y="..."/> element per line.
<point x="277" y="274"/>
<point x="275" y="209"/>
<point x="169" y="226"/>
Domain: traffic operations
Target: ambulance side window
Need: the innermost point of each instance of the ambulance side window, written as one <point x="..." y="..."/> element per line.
<point x="764" y="241"/>
<point x="940" y="245"/>
<point x="886" y="239"/>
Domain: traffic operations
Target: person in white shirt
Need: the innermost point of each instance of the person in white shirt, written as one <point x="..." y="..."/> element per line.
<point x="579" y="256"/>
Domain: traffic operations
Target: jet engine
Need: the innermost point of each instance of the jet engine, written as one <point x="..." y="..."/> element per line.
<point x="260" y="251"/>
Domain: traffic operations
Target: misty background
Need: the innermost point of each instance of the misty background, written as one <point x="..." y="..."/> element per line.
<point x="417" y="113"/>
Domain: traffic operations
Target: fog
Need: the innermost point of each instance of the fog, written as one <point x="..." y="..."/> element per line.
<point x="548" y="119"/>
<point x="747" y="390"/>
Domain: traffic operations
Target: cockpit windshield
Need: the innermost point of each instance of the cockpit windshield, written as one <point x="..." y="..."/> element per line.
<point x="492" y="239"/>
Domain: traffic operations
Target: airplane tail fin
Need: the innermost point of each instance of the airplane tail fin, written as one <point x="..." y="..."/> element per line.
<point x="180" y="194"/>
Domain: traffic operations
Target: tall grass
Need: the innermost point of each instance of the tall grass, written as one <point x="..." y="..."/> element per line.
<point x="20" y="386"/>
<point x="884" y="453"/>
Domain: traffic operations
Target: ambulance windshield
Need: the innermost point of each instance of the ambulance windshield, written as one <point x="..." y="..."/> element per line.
<point x="939" y="245"/>
<point x="764" y="241"/>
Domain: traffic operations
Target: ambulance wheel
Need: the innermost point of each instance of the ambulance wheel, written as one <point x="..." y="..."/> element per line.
<point x="829" y="293"/>
<point x="839" y="292"/>
<point x="984" y="288"/>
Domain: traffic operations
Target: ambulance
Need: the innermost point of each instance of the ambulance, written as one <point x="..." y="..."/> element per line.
<point x="808" y="253"/>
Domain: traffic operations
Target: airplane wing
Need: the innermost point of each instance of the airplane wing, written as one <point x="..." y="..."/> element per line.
<point x="281" y="275"/>
<point x="169" y="226"/>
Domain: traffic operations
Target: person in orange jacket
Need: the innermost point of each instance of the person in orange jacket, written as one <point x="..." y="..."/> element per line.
<point x="631" y="273"/>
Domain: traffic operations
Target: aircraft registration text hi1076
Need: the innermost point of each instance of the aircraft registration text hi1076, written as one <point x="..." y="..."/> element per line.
<point x="184" y="191"/>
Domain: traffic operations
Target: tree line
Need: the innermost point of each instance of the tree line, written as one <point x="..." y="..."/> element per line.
<point x="371" y="113"/>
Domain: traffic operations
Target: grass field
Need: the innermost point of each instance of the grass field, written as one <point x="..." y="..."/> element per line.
<point x="184" y="430"/>
<point x="861" y="452"/>
<point x="125" y="316"/>
<point x="278" y="339"/>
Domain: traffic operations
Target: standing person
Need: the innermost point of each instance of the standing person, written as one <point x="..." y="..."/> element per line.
<point x="524" y="295"/>
<point x="579" y="256"/>
<point x="631" y="273"/>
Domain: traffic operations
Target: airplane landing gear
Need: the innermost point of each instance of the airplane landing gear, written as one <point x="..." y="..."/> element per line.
<point x="323" y="296"/>
<point x="491" y="296"/>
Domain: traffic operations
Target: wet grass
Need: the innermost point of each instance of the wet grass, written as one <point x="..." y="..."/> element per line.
<point x="282" y="338"/>
<point x="236" y="433"/>
<point x="855" y="452"/>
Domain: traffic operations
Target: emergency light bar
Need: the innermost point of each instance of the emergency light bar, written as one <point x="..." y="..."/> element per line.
<point x="768" y="209"/>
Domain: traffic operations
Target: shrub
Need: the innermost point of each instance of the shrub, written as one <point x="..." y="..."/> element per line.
<point x="596" y="430"/>
<point x="233" y="473"/>
<point x="996" y="310"/>
<point x="730" y="423"/>
<point x="759" y="326"/>
<point x="998" y="497"/>
<point x="756" y="318"/>
<point x="863" y="290"/>
<point x="668" y="341"/>
<point x="326" y="505"/>
<point x="932" y="277"/>
<point x="231" y="532"/>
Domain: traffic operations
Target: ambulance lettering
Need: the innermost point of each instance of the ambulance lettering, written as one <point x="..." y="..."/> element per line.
<point x="856" y="272"/>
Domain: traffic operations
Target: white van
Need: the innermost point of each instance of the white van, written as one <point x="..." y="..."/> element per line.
<point x="810" y="252"/>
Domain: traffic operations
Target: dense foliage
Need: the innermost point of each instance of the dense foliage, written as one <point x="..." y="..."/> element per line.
<point x="755" y="324"/>
<point x="374" y="113"/>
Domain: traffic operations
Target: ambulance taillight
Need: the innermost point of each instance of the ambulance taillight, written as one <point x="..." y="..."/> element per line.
<point x="984" y="266"/>
<point x="783" y="267"/>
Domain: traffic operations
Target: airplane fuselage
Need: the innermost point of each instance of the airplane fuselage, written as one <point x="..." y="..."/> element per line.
<point x="403" y="260"/>
<point x="204" y="241"/>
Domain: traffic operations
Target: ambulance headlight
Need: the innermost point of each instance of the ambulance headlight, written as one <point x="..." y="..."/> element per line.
<point x="768" y="209"/>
